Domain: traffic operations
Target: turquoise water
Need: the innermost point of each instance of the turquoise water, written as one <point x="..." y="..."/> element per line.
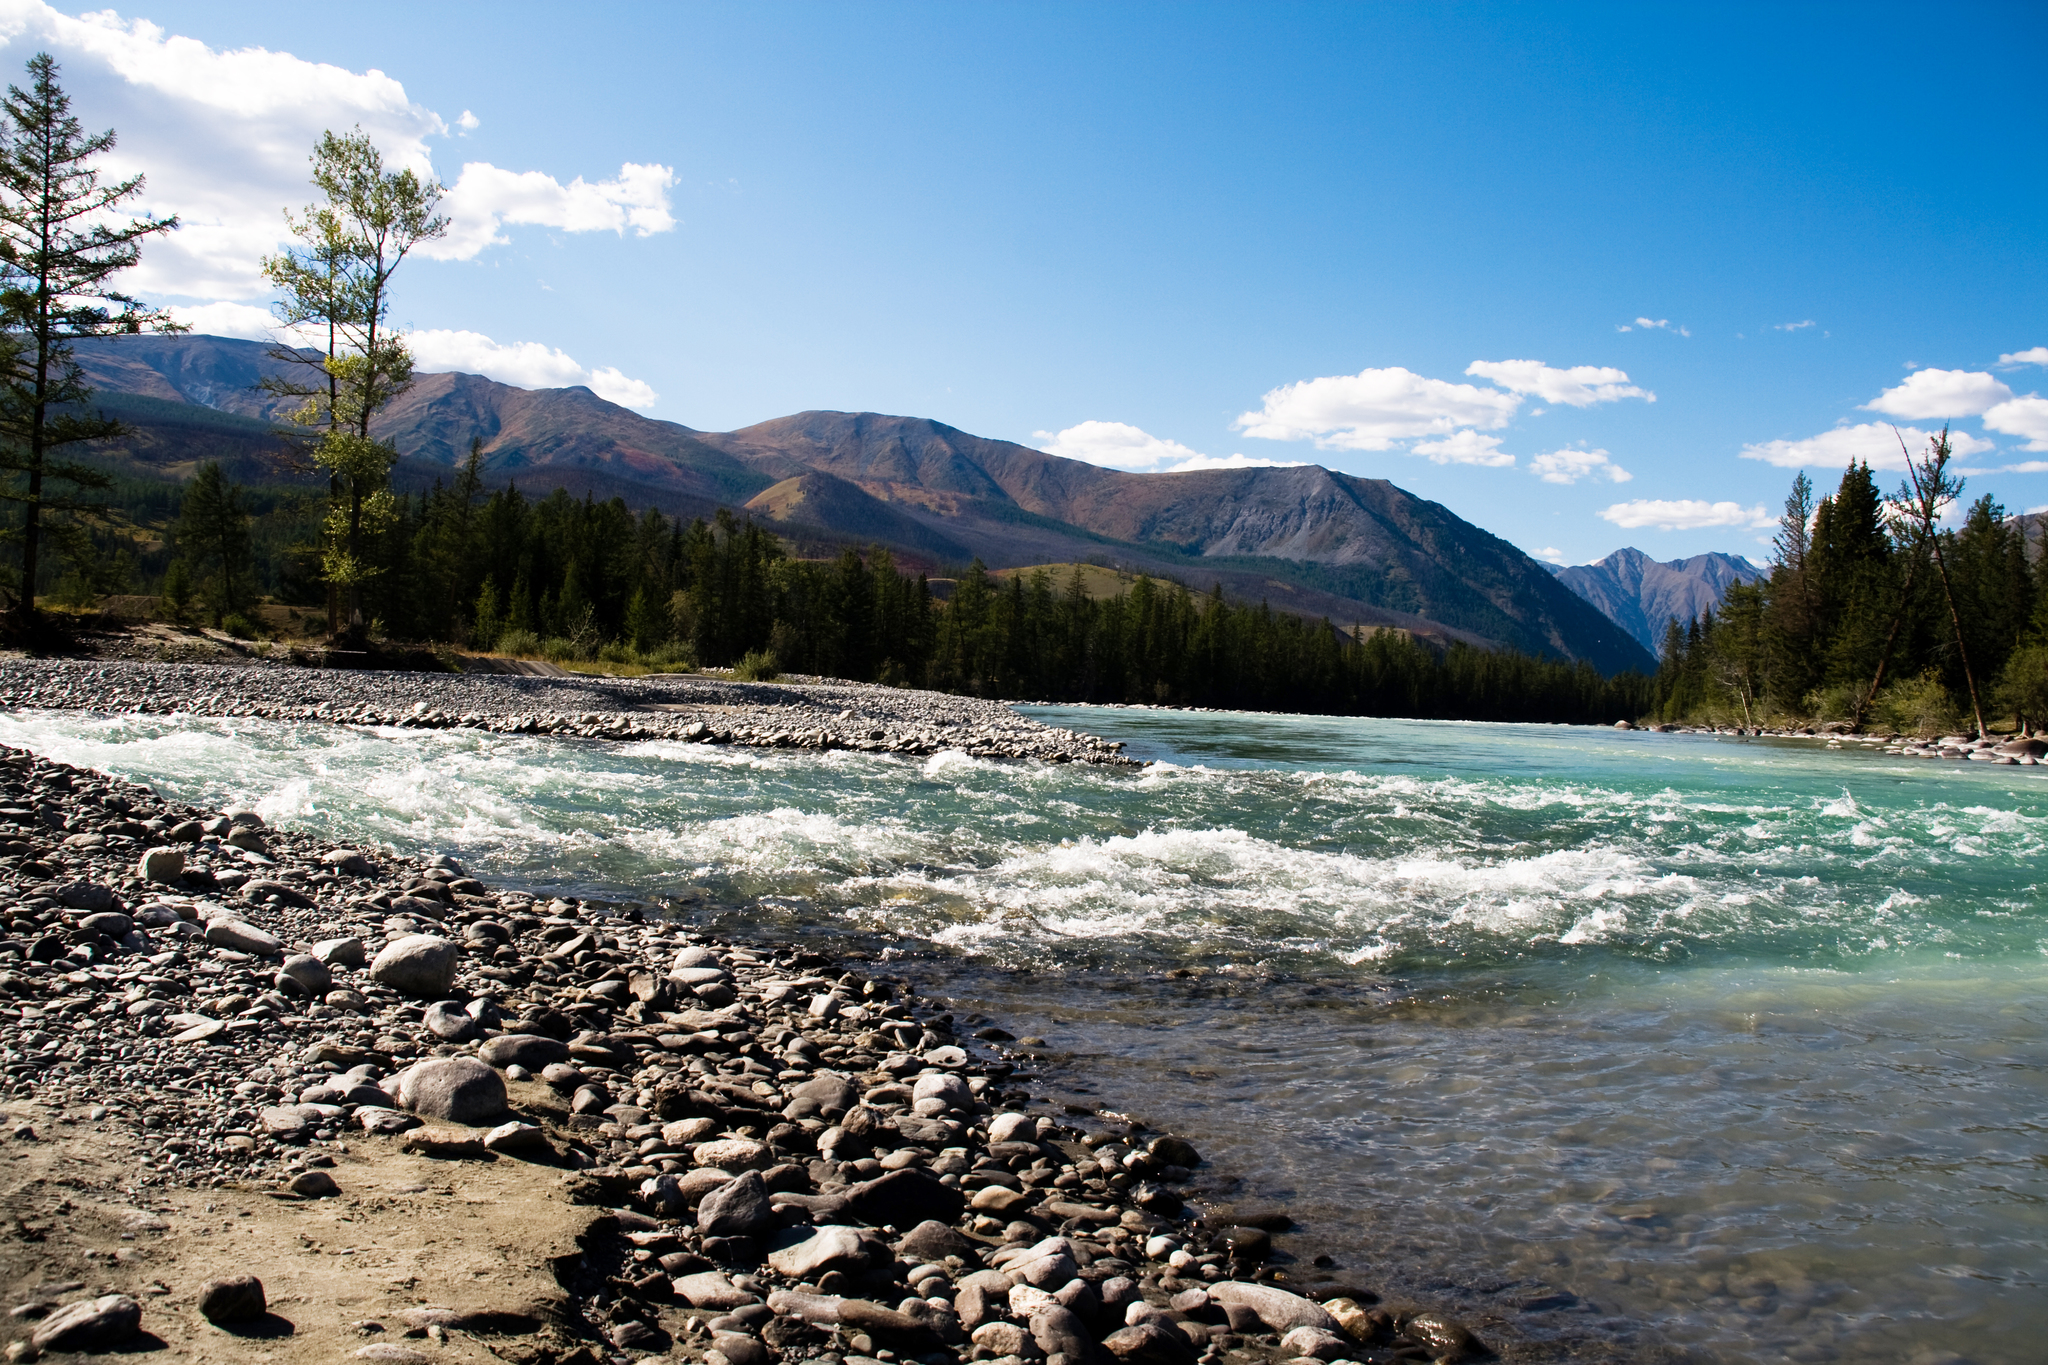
<point x="1737" y="1045"/>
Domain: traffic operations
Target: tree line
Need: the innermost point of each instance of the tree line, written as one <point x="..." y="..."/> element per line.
<point x="577" y="580"/>
<point x="1875" y="614"/>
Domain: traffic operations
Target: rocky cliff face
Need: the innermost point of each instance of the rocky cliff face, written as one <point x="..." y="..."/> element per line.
<point x="1642" y="595"/>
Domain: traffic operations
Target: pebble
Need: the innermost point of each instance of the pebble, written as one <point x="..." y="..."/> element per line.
<point x="679" y="708"/>
<point x="856" y="1174"/>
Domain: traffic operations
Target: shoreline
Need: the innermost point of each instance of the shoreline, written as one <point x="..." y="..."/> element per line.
<point x="739" y="1154"/>
<point x="681" y="708"/>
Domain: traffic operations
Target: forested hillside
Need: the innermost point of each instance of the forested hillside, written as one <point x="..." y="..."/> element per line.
<point x="1873" y="618"/>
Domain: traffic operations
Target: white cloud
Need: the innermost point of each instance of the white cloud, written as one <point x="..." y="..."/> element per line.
<point x="1932" y="393"/>
<point x="1119" y="445"/>
<point x="485" y="197"/>
<point x="1580" y="387"/>
<point x="1685" y="514"/>
<point x="2026" y="417"/>
<point x="469" y="122"/>
<point x="1551" y="553"/>
<point x="1653" y="325"/>
<point x="224" y="136"/>
<point x="2036" y="356"/>
<point x="1874" y="443"/>
<point x="1569" y="466"/>
<point x="1465" y="447"/>
<point x="1791" y="326"/>
<point x="244" y="320"/>
<point x="1375" y="408"/>
<point x="524" y="364"/>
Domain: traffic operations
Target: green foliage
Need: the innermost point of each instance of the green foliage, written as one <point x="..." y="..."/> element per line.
<point x="520" y="644"/>
<point x="213" y="535"/>
<point x="1872" y="614"/>
<point x="2023" y="685"/>
<point x="337" y="280"/>
<point x="1916" y="706"/>
<point x="758" y="665"/>
<point x="63" y="238"/>
<point x="177" y="591"/>
<point x="241" y="627"/>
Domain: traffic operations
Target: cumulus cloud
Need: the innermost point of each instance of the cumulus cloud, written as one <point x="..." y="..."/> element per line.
<point x="1933" y="393"/>
<point x="469" y="122"/>
<point x="224" y="137"/>
<point x="1119" y="445"/>
<point x="1375" y="408"/>
<point x="1874" y="443"/>
<point x="2038" y="355"/>
<point x="484" y="198"/>
<point x="1569" y="466"/>
<point x="1579" y="387"/>
<point x="1465" y="447"/>
<point x="1653" y="325"/>
<point x="524" y="364"/>
<point x="226" y="319"/>
<point x="2026" y="417"/>
<point x="1551" y="553"/>
<point x="1684" y="514"/>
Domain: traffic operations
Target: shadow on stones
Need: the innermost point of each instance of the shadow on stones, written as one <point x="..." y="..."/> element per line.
<point x="269" y="1327"/>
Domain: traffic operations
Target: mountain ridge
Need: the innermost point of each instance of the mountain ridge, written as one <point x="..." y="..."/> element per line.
<point x="1642" y="595"/>
<point x="1311" y="540"/>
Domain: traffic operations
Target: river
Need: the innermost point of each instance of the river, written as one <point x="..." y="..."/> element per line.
<point x="1731" y="1045"/>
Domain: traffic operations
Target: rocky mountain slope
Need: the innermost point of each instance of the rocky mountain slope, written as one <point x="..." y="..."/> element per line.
<point x="1311" y="541"/>
<point x="1642" y="594"/>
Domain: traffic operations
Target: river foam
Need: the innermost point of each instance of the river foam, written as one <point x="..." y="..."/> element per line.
<point x="1628" y="1025"/>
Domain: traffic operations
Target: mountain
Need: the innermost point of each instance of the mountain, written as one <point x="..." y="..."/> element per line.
<point x="1641" y="594"/>
<point x="1309" y="540"/>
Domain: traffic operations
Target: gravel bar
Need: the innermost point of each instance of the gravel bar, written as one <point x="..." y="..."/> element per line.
<point x="777" y="1156"/>
<point x="683" y="707"/>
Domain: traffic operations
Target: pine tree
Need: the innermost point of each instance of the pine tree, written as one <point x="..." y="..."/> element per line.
<point x="213" y="535"/>
<point x="62" y="240"/>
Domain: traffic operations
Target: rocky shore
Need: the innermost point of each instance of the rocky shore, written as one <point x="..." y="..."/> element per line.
<point x="2013" y="750"/>
<point x="261" y="1087"/>
<point x="679" y="707"/>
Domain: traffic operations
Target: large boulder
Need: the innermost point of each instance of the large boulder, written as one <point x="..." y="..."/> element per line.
<point x="419" y="965"/>
<point x="89" y="1325"/>
<point x="162" y="865"/>
<point x="802" y="1253"/>
<point x="905" y="1198"/>
<point x="87" y="896"/>
<point x="238" y="1298"/>
<point x="738" y="1208"/>
<point x="1281" y="1311"/>
<point x="453" y="1090"/>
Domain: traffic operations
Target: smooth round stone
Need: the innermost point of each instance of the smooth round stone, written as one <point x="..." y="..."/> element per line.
<point x="419" y="965"/>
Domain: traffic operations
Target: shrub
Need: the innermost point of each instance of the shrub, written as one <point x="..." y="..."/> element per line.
<point x="617" y="652"/>
<point x="239" y="626"/>
<point x="519" y="643"/>
<point x="1919" y="706"/>
<point x="758" y="666"/>
<point x="670" y="654"/>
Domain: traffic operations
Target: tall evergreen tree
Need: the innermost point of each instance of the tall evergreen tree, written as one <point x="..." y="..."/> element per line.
<point x="213" y="536"/>
<point x="63" y="238"/>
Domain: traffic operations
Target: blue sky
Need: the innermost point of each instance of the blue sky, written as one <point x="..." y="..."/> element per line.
<point x="1146" y="234"/>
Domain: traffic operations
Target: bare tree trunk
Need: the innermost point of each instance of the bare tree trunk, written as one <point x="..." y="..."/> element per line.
<point x="1956" y="620"/>
<point x="1863" y="703"/>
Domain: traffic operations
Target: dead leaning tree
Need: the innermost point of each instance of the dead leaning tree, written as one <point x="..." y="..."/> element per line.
<point x="1929" y="489"/>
